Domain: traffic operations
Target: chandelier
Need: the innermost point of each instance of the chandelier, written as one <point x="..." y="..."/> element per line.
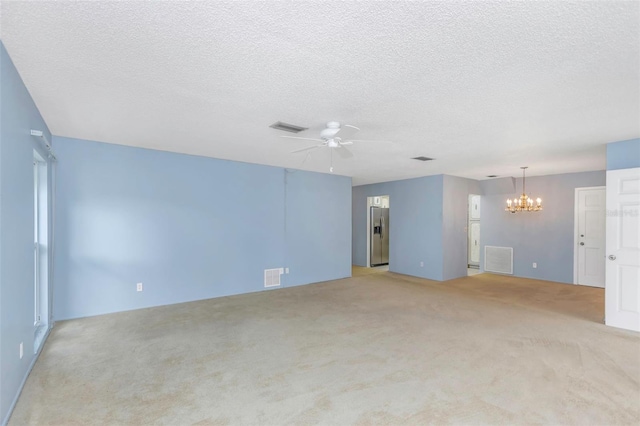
<point x="524" y="203"/>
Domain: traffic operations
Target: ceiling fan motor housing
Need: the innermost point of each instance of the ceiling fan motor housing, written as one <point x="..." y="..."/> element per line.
<point x="333" y="127"/>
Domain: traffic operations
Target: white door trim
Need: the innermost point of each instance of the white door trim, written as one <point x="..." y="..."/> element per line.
<point x="575" y="228"/>
<point x="369" y="204"/>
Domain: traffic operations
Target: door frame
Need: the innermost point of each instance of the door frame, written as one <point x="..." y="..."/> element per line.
<point x="370" y="203"/>
<point x="470" y="221"/>
<point x="575" y="227"/>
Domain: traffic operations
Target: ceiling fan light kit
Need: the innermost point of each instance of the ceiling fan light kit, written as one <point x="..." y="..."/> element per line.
<point x="524" y="203"/>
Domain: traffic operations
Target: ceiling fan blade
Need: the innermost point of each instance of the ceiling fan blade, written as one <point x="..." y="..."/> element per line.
<point x="346" y="132"/>
<point x="368" y="140"/>
<point x="307" y="148"/>
<point x="344" y="152"/>
<point x="305" y="139"/>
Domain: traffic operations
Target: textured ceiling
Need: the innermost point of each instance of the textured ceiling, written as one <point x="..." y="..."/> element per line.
<point x="484" y="88"/>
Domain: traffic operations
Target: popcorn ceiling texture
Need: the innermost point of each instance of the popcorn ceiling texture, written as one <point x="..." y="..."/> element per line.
<point x="482" y="87"/>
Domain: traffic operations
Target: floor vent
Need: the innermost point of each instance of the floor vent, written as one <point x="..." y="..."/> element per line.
<point x="272" y="277"/>
<point x="498" y="259"/>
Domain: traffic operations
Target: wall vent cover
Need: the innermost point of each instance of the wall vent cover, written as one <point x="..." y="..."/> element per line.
<point x="279" y="125"/>
<point x="498" y="260"/>
<point x="422" y="158"/>
<point x="272" y="277"/>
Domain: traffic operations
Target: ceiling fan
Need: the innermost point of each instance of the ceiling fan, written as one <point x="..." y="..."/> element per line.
<point x="334" y="136"/>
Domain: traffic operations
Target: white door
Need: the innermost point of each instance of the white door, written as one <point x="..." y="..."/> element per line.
<point x="474" y="207"/>
<point x="622" y="292"/>
<point x="474" y="243"/>
<point x="590" y="236"/>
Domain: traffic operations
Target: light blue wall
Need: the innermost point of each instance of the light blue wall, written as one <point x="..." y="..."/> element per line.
<point x="544" y="237"/>
<point x="187" y="227"/>
<point x="415" y="225"/>
<point x="455" y="205"/>
<point x="318" y="240"/>
<point x="623" y="154"/>
<point x="18" y="116"/>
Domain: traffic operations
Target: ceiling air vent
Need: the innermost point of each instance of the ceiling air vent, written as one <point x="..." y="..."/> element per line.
<point x="287" y="127"/>
<point x="492" y="176"/>
<point x="422" y="158"/>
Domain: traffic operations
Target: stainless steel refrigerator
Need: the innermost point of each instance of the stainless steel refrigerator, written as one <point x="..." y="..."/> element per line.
<point x="379" y="236"/>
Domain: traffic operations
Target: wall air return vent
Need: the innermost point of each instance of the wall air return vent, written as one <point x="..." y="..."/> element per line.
<point x="272" y="277"/>
<point x="287" y="127"/>
<point x="422" y="158"/>
<point x="498" y="259"/>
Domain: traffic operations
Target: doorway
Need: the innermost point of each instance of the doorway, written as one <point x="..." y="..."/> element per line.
<point x="590" y="236"/>
<point x="473" y="235"/>
<point x="378" y="208"/>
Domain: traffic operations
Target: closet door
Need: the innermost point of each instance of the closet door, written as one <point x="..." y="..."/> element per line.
<point x="474" y="243"/>
<point x="474" y="208"/>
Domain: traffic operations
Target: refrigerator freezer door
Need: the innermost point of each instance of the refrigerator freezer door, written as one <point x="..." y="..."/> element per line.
<point x="376" y="241"/>
<point x="384" y="256"/>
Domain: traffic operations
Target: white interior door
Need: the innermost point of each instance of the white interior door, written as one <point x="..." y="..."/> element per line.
<point x="473" y="237"/>
<point x="622" y="292"/>
<point x="590" y="236"/>
<point x="474" y="243"/>
<point x="474" y="207"/>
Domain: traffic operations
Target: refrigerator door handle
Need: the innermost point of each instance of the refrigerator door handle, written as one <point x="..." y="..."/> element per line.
<point x="381" y="227"/>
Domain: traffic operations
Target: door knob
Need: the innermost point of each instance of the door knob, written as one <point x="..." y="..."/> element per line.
<point x="612" y="257"/>
<point x="581" y="244"/>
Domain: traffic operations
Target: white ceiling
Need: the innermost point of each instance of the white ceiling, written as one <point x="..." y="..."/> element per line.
<point x="482" y="87"/>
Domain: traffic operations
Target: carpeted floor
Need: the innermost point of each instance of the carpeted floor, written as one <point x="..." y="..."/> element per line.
<point x="375" y="349"/>
<point x="357" y="271"/>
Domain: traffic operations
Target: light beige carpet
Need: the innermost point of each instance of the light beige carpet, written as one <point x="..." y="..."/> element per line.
<point x="376" y="349"/>
<point x="357" y="271"/>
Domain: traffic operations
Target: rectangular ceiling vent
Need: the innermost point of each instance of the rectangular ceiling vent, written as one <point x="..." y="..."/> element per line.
<point x="422" y="158"/>
<point x="272" y="277"/>
<point x="287" y="127"/>
<point x="498" y="260"/>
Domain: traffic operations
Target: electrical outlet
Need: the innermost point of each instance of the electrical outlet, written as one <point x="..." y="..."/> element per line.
<point x="535" y="265"/>
<point x="21" y="349"/>
<point x="139" y="287"/>
<point x="286" y="270"/>
<point x="421" y="264"/>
